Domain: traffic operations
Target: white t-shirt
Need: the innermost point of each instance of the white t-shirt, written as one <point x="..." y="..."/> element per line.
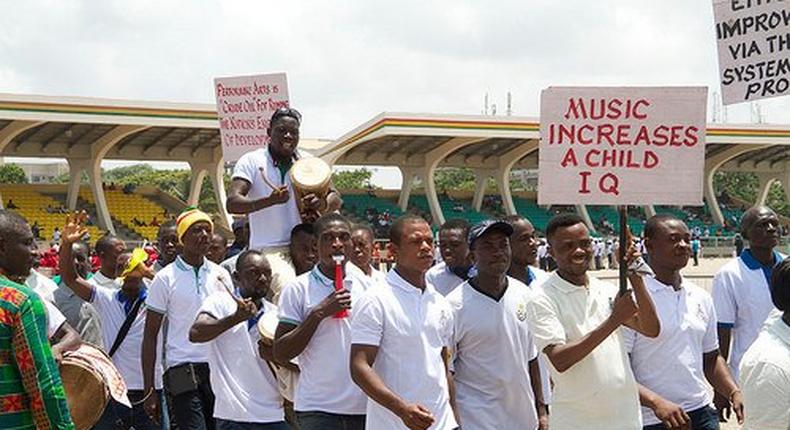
<point x="492" y="348"/>
<point x="671" y="364"/>
<point x="742" y="299"/>
<point x="107" y="302"/>
<point x="42" y="285"/>
<point x="270" y="226"/>
<point x="410" y="327"/>
<point x="177" y="292"/>
<point x="376" y="276"/>
<point x="325" y="383"/>
<point x="585" y="395"/>
<point x="765" y="379"/>
<point x="442" y="279"/>
<point x="244" y="386"/>
<point x="55" y="318"/>
<point x="99" y="280"/>
<point x="540" y="276"/>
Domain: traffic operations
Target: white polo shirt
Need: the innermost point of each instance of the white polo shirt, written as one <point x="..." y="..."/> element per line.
<point x="442" y="278"/>
<point x="99" y="280"/>
<point x="112" y="311"/>
<point x="271" y="226"/>
<point x="585" y="395"/>
<point x="742" y="299"/>
<point x="410" y="327"/>
<point x="376" y="276"/>
<point x="492" y="348"/>
<point x="671" y="364"/>
<point x="244" y="387"/>
<point x="765" y="379"/>
<point x="325" y="383"/>
<point x="177" y="292"/>
<point x="538" y="277"/>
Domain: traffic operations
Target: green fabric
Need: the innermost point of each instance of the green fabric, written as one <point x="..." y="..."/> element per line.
<point x="284" y="168"/>
<point x="29" y="372"/>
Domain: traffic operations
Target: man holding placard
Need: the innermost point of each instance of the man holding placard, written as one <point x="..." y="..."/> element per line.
<point x="262" y="190"/>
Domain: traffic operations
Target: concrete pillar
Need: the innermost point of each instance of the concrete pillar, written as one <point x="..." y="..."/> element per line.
<point x="481" y="180"/>
<point x="503" y="183"/>
<point x="409" y="177"/>
<point x="9" y="132"/>
<point x="102" y="211"/>
<point x="786" y="184"/>
<point x="766" y="180"/>
<point x="199" y="172"/>
<point x="650" y="210"/>
<point x="76" y="167"/>
<point x="710" y="196"/>
<point x="217" y="174"/>
<point x="582" y="211"/>
<point x="433" y="198"/>
<point x="711" y="165"/>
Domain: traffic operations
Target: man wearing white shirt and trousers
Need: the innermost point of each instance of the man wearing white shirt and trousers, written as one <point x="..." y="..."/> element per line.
<point x="401" y="335"/>
<point x="575" y="320"/>
<point x="312" y="328"/>
<point x="273" y="212"/>
<point x="741" y="293"/>
<point x="495" y="362"/>
<point x="177" y="292"/>
<point x="245" y="385"/>
<point x="673" y="369"/>
<point x="456" y="262"/>
<point x="362" y="239"/>
<point x="119" y="306"/>
<point x="524" y="248"/>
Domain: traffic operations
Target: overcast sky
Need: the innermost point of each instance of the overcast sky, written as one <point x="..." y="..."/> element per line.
<point x="350" y="60"/>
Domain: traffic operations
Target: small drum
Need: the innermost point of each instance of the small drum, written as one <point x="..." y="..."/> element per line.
<point x="90" y="379"/>
<point x="286" y="378"/>
<point x="310" y="176"/>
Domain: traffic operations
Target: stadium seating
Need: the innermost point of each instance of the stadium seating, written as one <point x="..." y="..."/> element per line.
<point x="529" y="209"/>
<point x="451" y="208"/>
<point x="34" y="206"/>
<point x="126" y="207"/>
<point x="609" y="213"/>
<point x="359" y="203"/>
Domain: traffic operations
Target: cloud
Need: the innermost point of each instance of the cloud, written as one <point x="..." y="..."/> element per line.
<point x="348" y="61"/>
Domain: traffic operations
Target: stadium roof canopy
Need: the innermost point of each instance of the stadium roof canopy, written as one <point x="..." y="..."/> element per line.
<point x="418" y="144"/>
<point x="86" y="131"/>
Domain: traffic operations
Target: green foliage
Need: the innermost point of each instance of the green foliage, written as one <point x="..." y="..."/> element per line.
<point x="352" y="179"/>
<point x="745" y="186"/>
<point x="454" y="179"/>
<point x="12" y="174"/>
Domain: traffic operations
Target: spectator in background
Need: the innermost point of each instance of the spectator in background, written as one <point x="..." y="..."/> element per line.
<point x="167" y="245"/>
<point x="362" y="252"/>
<point x="696" y="248"/>
<point x="36" y="229"/>
<point x="217" y="248"/>
<point x="456" y="260"/>
<point x="738" y="244"/>
<point x="56" y="235"/>
<point x="79" y="314"/>
<point x="303" y="248"/>
<point x="154" y="222"/>
<point x="11" y="205"/>
<point x="241" y="237"/>
<point x="765" y="368"/>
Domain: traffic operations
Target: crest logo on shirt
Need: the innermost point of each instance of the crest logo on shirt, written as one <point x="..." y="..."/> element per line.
<point x="521" y="311"/>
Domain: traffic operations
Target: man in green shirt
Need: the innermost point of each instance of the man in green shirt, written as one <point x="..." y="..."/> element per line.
<point x="31" y="393"/>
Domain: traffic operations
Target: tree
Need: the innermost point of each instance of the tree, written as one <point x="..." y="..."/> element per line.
<point x="12" y="174"/>
<point x="356" y="179"/>
<point x="745" y="186"/>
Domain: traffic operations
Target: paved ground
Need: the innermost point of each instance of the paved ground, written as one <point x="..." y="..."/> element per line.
<point x="702" y="275"/>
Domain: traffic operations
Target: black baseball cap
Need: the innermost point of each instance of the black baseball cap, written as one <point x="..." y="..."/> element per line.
<point x="478" y="230"/>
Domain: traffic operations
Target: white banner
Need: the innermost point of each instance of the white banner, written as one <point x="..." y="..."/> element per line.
<point x="622" y="146"/>
<point x="753" y="38"/>
<point x="244" y="106"/>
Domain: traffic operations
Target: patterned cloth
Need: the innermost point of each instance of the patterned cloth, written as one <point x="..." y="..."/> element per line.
<point x="31" y="393"/>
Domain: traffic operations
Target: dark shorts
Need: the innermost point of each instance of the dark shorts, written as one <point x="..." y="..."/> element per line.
<point x="235" y="425"/>
<point x="316" y="420"/>
<point x="705" y="418"/>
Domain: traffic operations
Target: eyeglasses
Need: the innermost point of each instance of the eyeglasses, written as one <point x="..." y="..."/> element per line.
<point x="286" y="111"/>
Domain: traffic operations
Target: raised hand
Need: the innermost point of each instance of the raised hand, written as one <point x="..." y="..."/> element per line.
<point x="75" y="228"/>
<point x="624" y="308"/>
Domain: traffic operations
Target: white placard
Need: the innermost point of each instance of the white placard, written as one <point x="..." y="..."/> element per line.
<point x="753" y="38"/>
<point x="622" y="146"/>
<point x="244" y="106"/>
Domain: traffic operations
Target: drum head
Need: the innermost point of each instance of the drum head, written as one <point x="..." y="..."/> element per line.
<point x="311" y="174"/>
<point x="86" y="394"/>
<point x="267" y="325"/>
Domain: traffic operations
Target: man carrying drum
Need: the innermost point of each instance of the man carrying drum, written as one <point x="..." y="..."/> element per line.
<point x="32" y="392"/>
<point x="245" y="386"/>
<point x="263" y="190"/>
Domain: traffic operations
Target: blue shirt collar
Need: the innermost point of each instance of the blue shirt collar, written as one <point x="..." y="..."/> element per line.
<point x="752" y="263"/>
<point x="127" y="302"/>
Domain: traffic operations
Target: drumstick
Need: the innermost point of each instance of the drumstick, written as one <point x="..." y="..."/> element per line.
<point x="265" y="179"/>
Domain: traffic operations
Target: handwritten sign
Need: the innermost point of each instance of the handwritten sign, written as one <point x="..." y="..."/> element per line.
<point x="753" y="38"/>
<point x="244" y="106"/>
<point x="634" y="146"/>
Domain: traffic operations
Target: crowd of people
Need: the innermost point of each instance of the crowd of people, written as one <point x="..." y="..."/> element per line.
<point x="294" y="325"/>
